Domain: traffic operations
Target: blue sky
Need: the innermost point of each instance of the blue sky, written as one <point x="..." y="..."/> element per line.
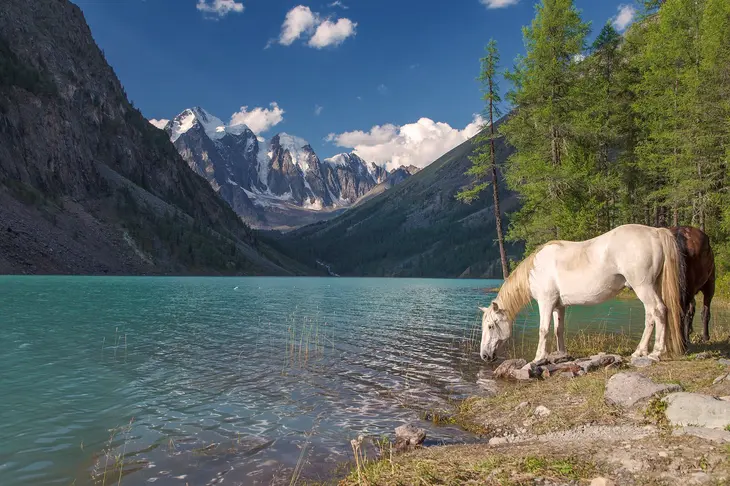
<point x="356" y="65"/>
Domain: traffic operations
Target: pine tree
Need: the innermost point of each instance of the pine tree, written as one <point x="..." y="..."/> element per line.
<point x="484" y="160"/>
<point x="545" y="172"/>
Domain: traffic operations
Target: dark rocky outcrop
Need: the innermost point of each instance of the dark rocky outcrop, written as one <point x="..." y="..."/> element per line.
<point x="87" y="185"/>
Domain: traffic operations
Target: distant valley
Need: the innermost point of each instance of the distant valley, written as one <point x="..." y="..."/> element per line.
<point x="415" y="229"/>
<point x="278" y="183"/>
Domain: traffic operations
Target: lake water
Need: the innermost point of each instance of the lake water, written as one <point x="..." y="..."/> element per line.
<point x="196" y="380"/>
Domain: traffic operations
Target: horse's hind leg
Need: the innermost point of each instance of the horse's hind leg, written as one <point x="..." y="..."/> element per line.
<point x="654" y="313"/>
<point x="708" y="292"/>
<point x="689" y="317"/>
<point x="558" y="324"/>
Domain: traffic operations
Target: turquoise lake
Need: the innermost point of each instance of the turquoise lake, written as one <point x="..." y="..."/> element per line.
<point x="235" y="379"/>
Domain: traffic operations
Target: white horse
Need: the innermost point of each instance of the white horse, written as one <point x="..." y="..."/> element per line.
<point x="563" y="273"/>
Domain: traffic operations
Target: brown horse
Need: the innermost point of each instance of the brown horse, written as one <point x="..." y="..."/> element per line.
<point x="699" y="276"/>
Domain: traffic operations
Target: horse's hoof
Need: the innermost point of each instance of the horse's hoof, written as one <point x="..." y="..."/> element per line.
<point x="654" y="357"/>
<point x="639" y="354"/>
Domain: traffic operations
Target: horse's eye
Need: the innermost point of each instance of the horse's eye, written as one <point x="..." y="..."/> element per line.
<point x="491" y="326"/>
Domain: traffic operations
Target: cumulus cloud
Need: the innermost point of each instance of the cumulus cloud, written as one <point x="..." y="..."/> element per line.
<point x="259" y="120"/>
<point x="498" y="3"/>
<point x="625" y="16"/>
<point x="322" y="32"/>
<point x="219" y="8"/>
<point x="159" y="123"/>
<point x="417" y="143"/>
<point x="330" y="33"/>
<point x="298" y="21"/>
<point x="318" y="110"/>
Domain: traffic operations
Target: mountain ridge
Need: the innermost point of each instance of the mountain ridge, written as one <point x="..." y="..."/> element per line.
<point x="276" y="183"/>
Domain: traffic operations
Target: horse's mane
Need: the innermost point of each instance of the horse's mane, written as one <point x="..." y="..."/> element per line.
<point x="515" y="292"/>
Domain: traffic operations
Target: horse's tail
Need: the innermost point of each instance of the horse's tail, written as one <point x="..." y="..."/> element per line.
<point x="672" y="292"/>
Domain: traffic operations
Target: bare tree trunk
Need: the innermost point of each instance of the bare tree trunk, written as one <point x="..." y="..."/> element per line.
<point x="495" y="188"/>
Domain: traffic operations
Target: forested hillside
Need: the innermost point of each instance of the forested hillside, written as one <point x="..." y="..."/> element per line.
<point x="631" y="128"/>
<point x="416" y="229"/>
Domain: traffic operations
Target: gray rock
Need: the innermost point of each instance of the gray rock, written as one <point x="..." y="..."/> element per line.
<point x="703" y="355"/>
<point x="541" y="411"/>
<point x="695" y="409"/>
<point x="488" y="386"/>
<point x="641" y="361"/>
<point x="602" y="482"/>
<point x="628" y="389"/>
<point x="504" y="370"/>
<point x="597" y="361"/>
<point x="713" y="435"/>
<point x="699" y="478"/>
<point x="408" y="437"/>
<point x="497" y="440"/>
<point x="724" y="362"/>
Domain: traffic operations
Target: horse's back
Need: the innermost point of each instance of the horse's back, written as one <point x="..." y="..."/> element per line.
<point x="594" y="270"/>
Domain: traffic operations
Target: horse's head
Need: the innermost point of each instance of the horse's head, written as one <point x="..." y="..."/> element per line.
<point x="496" y="330"/>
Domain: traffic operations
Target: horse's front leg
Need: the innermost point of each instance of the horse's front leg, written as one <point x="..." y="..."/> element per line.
<point x="546" y="314"/>
<point x="558" y="323"/>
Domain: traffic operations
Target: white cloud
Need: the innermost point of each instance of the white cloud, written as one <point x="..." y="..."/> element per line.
<point x="417" y="143"/>
<point x="221" y="8"/>
<point x="318" y="110"/>
<point x="383" y="89"/>
<point x="578" y="57"/>
<point x="159" y="123"/>
<point x="498" y="3"/>
<point x="259" y="120"/>
<point x="301" y="21"/>
<point x="625" y="16"/>
<point x="298" y="21"/>
<point x="330" y="33"/>
<point x="338" y="3"/>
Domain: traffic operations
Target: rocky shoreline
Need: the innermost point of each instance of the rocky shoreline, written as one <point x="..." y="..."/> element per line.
<point x="600" y="420"/>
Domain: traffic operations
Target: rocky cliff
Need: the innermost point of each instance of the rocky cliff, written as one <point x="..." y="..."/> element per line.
<point x="87" y="185"/>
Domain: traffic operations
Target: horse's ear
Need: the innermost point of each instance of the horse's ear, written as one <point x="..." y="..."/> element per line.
<point x="483" y="309"/>
<point x="495" y="306"/>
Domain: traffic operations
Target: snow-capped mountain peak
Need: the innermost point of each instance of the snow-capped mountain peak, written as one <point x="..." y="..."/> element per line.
<point x="269" y="180"/>
<point x="213" y="126"/>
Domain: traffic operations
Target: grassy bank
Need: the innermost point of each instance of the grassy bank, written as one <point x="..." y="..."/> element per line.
<point x="575" y="405"/>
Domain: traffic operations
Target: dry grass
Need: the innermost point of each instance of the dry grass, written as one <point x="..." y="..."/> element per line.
<point x="571" y="401"/>
<point x="472" y="465"/>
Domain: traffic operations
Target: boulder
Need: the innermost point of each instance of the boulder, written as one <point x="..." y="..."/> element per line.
<point x="724" y="362"/>
<point x="504" y="370"/>
<point x="641" y="361"/>
<point x="628" y="389"/>
<point x="695" y="409"/>
<point x="408" y="437"/>
<point x="713" y="435"/>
